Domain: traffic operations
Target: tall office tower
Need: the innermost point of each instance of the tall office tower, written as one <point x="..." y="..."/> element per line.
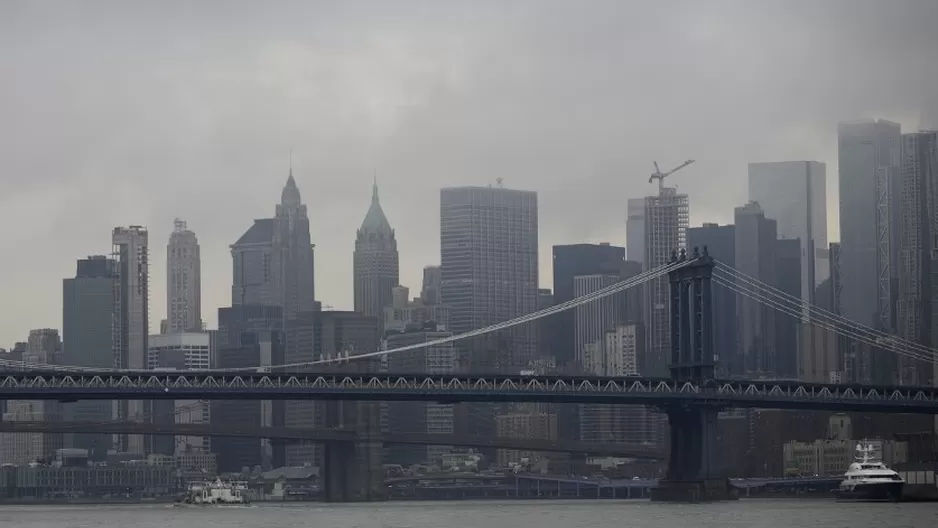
<point x="88" y="305"/>
<point x="720" y="242"/>
<point x="756" y="238"/>
<point x="570" y="261"/>
<point x="249" y="336"/>
<point x="868" y="154"/>
<point x="375" y="262"/>
<point x="916" y="315"/>
<point x="794" y="194"/>
<point x="666" y="222"/>
<point x="131" y="320"/>
<point x="595" y="318"/>
<point x="183" y="281"/>
<point x="488" y="243"/>
<point x="432" y="278"/>
<point x="272" y="262"/>
<point x="635" y="230"/>
<point x="788" y="329"/>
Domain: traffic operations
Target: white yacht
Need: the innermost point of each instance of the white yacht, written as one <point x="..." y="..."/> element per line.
<point x="216" y="493"/>
<point x="869" y="479"/>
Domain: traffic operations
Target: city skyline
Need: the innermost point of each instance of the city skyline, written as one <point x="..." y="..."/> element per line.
<point x="384" y="91"/>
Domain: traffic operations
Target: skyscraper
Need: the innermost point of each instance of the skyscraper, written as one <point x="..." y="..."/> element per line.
<point x="430" y="292"/>
<point x="488" y="243"/>
<point x="666" y="221"/>
<point x="916" y="315"/>
<point x="635" y="230"/>
<point x="595" y="318"/>
<point x="131" y="322"/>
<point x="794" y="194"/>
<point x="756" y="239"/>
<point x="570" y="261"/>
<point x="272" y="262"/>
<point x="88" y="305"/>
<point x="375" y="261"/>
<point x="868" y="154"/>
<point x="183" y="281"/>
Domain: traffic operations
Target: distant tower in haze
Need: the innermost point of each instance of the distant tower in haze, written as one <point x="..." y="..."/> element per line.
<point x="183" y="281"/>
<point x="375" y="261"/>
<point x="272" y="262"/>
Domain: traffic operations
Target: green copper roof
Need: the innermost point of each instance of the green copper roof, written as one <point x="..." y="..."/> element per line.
<point x="375" y="221"/>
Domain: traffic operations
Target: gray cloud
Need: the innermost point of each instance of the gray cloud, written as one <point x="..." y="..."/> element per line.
<point x="116" y="113"/>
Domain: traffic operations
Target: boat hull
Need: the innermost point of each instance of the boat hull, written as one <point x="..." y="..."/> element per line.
<point x="874" y="491"/>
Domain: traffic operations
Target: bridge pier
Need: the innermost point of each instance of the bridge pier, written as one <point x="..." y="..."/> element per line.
<point x="695" y="473"/>
<point x="354" y="471"/>
<point x="350" y="473"/>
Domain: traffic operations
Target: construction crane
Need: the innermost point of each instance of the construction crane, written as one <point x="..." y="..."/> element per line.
<point x="660" y="176"/>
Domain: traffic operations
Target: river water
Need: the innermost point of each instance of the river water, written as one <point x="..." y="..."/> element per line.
<point x="751" y="513"/>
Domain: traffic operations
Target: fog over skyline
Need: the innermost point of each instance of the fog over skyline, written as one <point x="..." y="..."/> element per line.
<point x="116" y="113"/>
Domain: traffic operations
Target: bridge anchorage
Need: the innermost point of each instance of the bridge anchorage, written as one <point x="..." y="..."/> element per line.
<point x="694" y="473"/>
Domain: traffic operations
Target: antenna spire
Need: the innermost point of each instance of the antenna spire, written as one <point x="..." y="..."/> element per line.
<point x="374" y="185"/>
<point x="291" y="161"/>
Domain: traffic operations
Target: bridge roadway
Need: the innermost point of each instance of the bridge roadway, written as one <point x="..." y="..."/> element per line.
<point x="333" y="435"/>
<point x="211" y="385"/>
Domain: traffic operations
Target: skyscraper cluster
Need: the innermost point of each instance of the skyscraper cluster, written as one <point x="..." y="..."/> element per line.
<point x="880" y="274"/>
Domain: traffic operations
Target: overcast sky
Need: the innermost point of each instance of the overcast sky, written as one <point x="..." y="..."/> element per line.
<point x="122" y="112"/>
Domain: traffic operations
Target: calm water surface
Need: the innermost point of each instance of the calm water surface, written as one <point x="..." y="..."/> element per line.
<point x="516" y="514"/>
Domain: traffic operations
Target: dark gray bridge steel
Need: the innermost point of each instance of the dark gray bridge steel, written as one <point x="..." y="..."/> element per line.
<point x="331" y="436"/>
<point x="208" y="385"/>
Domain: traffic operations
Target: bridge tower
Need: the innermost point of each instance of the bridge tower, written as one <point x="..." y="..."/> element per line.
<point x="695" y="472"/>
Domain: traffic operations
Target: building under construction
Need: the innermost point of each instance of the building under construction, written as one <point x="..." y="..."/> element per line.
<point x="667" y="217"/>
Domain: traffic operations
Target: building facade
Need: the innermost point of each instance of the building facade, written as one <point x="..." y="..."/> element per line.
<point x="570" y="261"/>
<point x="183" y="351"/>
<point x="868" y="157"/>
<point x="183" y="280"/>
<point x="131" y="320"/>
<point x="755" y="256"/>
<point x="794" y="194"/>
<point x="88" y="308"/>
<point x="489" y="266"/>
<point x="917" y="316"/>
<point x="667" y="218"/>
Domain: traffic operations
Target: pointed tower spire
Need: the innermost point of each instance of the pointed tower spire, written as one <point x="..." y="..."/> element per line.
<point x="374" y="187"/>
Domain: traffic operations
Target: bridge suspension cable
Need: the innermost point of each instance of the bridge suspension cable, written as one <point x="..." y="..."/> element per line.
<point x="765" y="294"/>
<point x="788" y="310"/>
<point x="621" y="286"/>
<point x="737" y="275"/>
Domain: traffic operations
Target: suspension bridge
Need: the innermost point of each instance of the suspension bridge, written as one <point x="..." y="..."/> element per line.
<point x="691" y="396"/>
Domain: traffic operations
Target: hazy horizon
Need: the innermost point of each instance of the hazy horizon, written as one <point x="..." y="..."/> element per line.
<point x="119" y="113"/>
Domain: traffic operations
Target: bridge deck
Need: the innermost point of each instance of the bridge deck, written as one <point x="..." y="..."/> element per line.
<point x="70" y="386"/>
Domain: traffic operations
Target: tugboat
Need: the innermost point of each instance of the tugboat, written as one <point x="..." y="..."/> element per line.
<point x="868" y="479"/>
<point x="216" y="493"/>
